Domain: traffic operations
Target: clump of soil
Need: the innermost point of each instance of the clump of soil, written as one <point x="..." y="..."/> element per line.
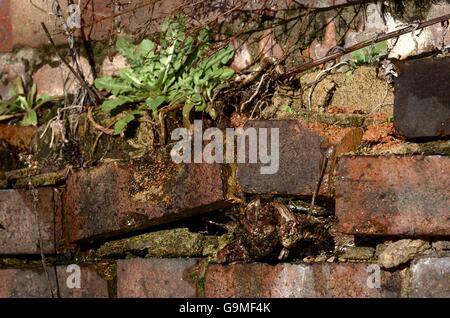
<point x="271" y="230"/>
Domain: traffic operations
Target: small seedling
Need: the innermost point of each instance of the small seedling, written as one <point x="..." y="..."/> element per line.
<point x="368" y="55"/>
<point x="23" y="104"/>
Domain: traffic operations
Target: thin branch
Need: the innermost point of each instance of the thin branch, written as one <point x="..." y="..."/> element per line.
<point x="98" y="126"/>
<point x="83" y="83"/>
<point x="373" y="40"/>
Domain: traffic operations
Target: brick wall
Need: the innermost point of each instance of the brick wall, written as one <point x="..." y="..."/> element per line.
<point x="388" y="207"/>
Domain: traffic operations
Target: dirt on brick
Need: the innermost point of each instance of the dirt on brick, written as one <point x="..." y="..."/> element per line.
<point x="363" y="90"/>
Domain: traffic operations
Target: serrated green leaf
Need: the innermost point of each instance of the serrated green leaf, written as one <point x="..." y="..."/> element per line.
<point x="127" y="49"/>
<point x="30" y="119"/>
<point x="121" y="124"/>
<point x="44" y="97"/>
<point x="32" y="94"/>
<point x="154" y="103"/>
<point x="227" y="74"/>
<point x="127" y="74"/>
<point x="23" y="103"/>
<point x="186" y="113"/>
<point x="113" y="85"/>
<point x="110" y="104"/>
<point x="145" y="48"/>
<point x="17" y="86"/>
<point x="165" y="25"/>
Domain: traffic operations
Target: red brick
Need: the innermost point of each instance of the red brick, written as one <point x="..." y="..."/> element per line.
<point x="301" y="149"/>
<point x="26" y="22"/>
<point x="19" y="233"/>
<point x="6" y="40"/>
<point x="96" y="15"/>
<point x="302" y="280"/>
<point x="430" y="277"/>
<point x="319" y="49"/>
<point x="6" y="43"/>
<point x="393" y="195"/>
<point x="26" y="283"/>
<point x="19" y="137"/>
<point x="8" y="158"/>
<point x="92" y="285"/>
<point x="155" y="278"/>
<point x="379" y="133"/>
<point x="11" y="70"/>
<point x="147" y="20"/>
<point x="56" y="81"/>
<point x="118" y="198"/>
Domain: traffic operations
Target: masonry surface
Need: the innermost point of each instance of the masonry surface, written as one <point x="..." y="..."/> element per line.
<point x="147" y="227"/>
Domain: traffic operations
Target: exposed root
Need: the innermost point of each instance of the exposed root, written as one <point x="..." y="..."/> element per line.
<point x="98" y="126"/>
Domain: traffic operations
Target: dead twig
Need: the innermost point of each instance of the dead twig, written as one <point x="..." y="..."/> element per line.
<point x="96" y="125"/>
<point x="363" y="44"/>
<point x="248" y="101"/>
<point x="323" y="167"/>
<point x="319" y="78"/>
<point x="80" y="79"/>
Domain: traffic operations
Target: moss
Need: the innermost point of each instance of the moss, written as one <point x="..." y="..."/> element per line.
<point x="21" y="173"/>
<point x="213" y="244"/>
<point x="107" y="270"/>
<point x="440" y="147"/>
<point x="341" y="120"/>
<point x="198" y="276"/>
<point x="42" y="180"/>
<point x="23" y="263"/>
<point x="166" y="243"/>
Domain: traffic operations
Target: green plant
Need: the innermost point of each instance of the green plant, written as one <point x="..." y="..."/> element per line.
<point x="287" y="109"/>
<point x="23" y="105"/>
<point x="368" y="55"/>
<point x="178" y="72"/>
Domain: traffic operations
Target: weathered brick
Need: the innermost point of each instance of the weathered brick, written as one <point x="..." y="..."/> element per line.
<point x="26" y="283"/>
<point x="147" y="19"/>
<point x="298" y="280"/>
<point x="19" y="137"/>
<point x="92" y="285"/>
<point x="55" y="81"/>
<point x="33" y="283"/>
<point x="393" y="195"/>
<point x="321" y="3"/>
<point x="6" y="42"/>
<point x="319" y="49"/>
<point x="430" y="277"/>
<point x="11" y="70"/>
<point x="118" y="198"/>
<point x="26" y="23"/>
<point x="301" y="149"/>
<point x="422" y="98"/>
<point x="8" y="157"/>
<point x="19" y="233"/>
<point x="96" y="15"/>
<point x="155" y="278"/>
